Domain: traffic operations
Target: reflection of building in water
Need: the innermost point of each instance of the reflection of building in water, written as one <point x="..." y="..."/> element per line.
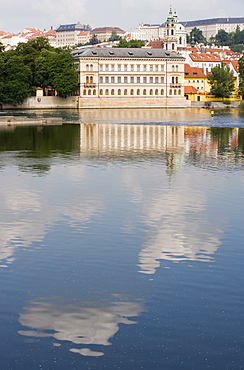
<point x="130" y="138"/>
<point x="85" y="324"/>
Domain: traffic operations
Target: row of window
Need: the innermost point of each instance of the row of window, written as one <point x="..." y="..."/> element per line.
<point x="131" y="92"/>
<point x="131" y="79"/>
<point x="195" y="81"/>
<point x="131" y="67"/>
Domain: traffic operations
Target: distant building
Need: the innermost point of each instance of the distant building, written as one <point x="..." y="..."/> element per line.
<point x="104" y="33"/>
<point x="171" y="32"/>
<point x="210" y="27"/>
<point x="130" y="78"/>
<point x="67" y="34"/>
<point x="84" y="37"/>
<point x="203" y="60"/>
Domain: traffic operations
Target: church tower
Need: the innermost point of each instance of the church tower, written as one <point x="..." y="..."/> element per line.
<point x="171" y="40"/>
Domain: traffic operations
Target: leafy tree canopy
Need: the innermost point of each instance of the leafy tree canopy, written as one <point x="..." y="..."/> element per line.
<point x="35" y="64"/>
<point x="196" y="36"/>
<point x="130" y="44"/>
<point x="222" y="81"/>
<point x="114" y="36"/>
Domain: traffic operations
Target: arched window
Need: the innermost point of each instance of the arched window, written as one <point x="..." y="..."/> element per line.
<point x="173" y="46"/>
<point x="173" y="80"/>
<point x="176" y="68"/>
<point x="112" y="92"/>
<point x="172" y="32"/>
<point x="151" y="92"/>
<point x="125" y="92"/>
<point x="91" y="80"/>
<point x="173" y="68"/>
<point x="180" y="40"/>
<point x="162" y="91"/>
<point x="87" y="67"/>
<point x="94" y="92"/>
<point x="101" y="92"/>
<point x="89" y="92"/>
<point x="119" y="92"/>
<point x="138" y="92"/>
<point x="156" y="92"/>
<point x="175" y="92"/>
<point x="131" y="92"/>
<point x="87" y="79"/>
<point x="144" y="92"/>
<point x="179" y="92"/>
<point x="177" y="80"/>
<point x="106" y="92"/>
<point x="170" y="92"/>
<point x="84" y="92"/>
<point x="91" y="67"/>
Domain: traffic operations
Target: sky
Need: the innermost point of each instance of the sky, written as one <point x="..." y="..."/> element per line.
<point x="15" y="15"/>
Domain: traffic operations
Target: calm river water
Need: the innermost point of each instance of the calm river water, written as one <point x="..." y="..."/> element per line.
<point x="122" y="241"/>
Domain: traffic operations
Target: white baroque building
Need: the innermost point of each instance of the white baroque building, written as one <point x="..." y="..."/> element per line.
<point x="171" y="32"/>
<point x="129" y="78"/>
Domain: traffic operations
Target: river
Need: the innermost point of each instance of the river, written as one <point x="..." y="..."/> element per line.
<point x="121" y="240"/>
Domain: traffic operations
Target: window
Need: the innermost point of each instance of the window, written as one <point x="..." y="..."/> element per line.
<point x="119" y="92"/>
<point x="144" y="92"/>
<point x="156" y="67"/>
<point x="101" y="92"/>
<point x="173" y="80"/>
<point x="131" y="92"/>
<point x="119" y="80"/>
<point x="125" y="80"/>
<point x="180" y="41"/>
<point x="144" y="67"/>
<point x="172" y="32"/>
<point x="87" y="67"/>
<point x="119" y="67"/>
<point x="91" y="80"/>
<point x="151" y="67"/>
<point x="101" y="79"/>
<point x="112" y="67"/>
<point x="144" y="80"/>
<point x="156" y="80"/>
<point x="156" y="92"/>
<point x="125" y="92"/>
<point x="112" y="79"/>
<point x="91" y="67"/>
<point x="106" y="79"/>
<point x="162" y="67"/>
<point x="138" y="80"/>
<point x="138" y="67"/>
<point x="132" y="67"/>
<point x="112" y="92"/>
<point x="176" y="68"/>
<point x="162" y="80"/>
<point x="197" y="80"/>
<point x="162" y="91"/>
<point x="179" y="92"/>
<point x="151" y="92"/>
<point x="173" y="68"/>
<point x="175" y="92"/>
<point x="84" y="92"/>
<point x="106" y="92"/>
<point x="87" y="80"/>
<point x="125" y="67"/>
<point x="151" y="80"/>
<point x="170" y="92"/>
<point x="138" y="92"/>
<point x="132" y="79"/>
<point x="106" y="67"/>
<point x="89" y="92"/>
<point x="94" y="92"/>
<point x="173" y="46"/>
<point x="177" y="80"/>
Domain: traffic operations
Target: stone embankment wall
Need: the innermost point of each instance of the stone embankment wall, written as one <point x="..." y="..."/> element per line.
<point x="215" y="104"/>
<point x="46" y="102"/>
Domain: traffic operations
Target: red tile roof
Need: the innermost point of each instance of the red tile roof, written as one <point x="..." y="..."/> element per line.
<point x="191" y="72"/>
<point x="190" y="90"/>
<point x="204" y="57"/>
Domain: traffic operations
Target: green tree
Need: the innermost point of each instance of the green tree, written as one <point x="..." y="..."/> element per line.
<point x="222" y="37"/>
<point x="130" y="44"/>
<point x="241" y="75"/>
<point x="2" y="47"/>
<point x="196" y="36"/>
<point x="94" y="40"/>
<point x="114" y="36"/>
<point x="222" y="81"/>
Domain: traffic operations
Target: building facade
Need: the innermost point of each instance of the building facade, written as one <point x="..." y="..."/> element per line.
<point x="130" y="77"/>
<point x="210" y="27"/>
<point x="67" y="34"/>
<point x="104" y="33"/>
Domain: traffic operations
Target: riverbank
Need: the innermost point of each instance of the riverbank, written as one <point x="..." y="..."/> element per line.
<point x="18" y="121"/>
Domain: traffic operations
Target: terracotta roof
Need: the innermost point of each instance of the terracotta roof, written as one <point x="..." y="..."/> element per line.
<point x="156" y="44"/>
<point x="190" y="90"/>
<point x="83" y="33"/>
<point x="194" y="72"/>
<point x="204" y="57"/>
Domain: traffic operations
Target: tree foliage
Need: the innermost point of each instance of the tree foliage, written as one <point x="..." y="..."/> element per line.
<point x="233" y="39"/>
<point x="241" y="75"/>
<point x="222" y="81"/>
<point x="196" y="36"/>
<point x="130" y="44"/>
<point x="35" y="64"/>
<point x="114" y="36"/>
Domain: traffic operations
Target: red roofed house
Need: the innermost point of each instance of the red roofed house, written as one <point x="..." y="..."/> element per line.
<point x="84" y="37"/>
<point x="204" y="60"/>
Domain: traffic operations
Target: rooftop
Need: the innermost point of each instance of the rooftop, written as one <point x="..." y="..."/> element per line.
<point x="203" y="22"/>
